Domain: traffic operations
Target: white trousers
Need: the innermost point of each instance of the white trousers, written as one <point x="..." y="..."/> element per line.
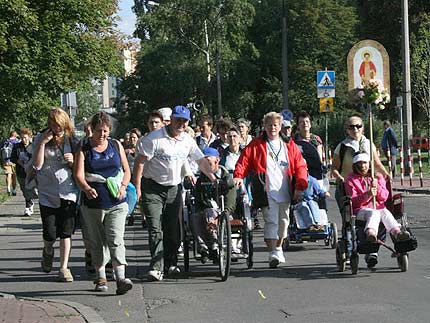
<point x="276" y="220"/>
<point x="374" y="217"/>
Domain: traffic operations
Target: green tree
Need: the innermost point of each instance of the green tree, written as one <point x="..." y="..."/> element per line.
<point x="47" y="47"/>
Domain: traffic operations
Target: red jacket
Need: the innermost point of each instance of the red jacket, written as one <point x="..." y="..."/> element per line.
<point x="254" y="159"/>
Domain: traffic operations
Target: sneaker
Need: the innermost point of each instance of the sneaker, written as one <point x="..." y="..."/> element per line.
<point x="123" y="286"/>
<point x="273" y="259"/>
<point x="155" y="275"/>
<point x="404" y="235"/>
<point x="181" y="250"/>
<point x="280" y="255"/>
<point x="27" y="212"/>
<point x="65" y="275"/>
<point x="173" y="270"/>
<point x="101" y="285"/>
<point x="14" y="193"/>
<point x="371" y="260"/>
<point x="31" y="208"/>
<point x="203" y="250"/>
<point x="109" y="271"/>
<point x="130" y="221"/>
<point x="47" y="261"/>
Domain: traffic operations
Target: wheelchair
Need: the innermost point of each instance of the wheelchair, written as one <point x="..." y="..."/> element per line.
<point x="236" y="227"/>
<point x="353" y="240"/>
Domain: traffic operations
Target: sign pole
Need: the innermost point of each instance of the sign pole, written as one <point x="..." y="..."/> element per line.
<point x="326" y="137"/>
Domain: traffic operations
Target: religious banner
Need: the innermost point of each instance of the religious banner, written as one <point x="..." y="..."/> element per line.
<point x="368" y="60"/>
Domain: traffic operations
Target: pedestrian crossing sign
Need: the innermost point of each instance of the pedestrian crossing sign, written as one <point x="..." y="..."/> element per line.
<point x="327" y="105"/>
<point x="326" y="80"/>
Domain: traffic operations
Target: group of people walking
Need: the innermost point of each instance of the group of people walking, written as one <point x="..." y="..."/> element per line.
<point x="92" y="175"/>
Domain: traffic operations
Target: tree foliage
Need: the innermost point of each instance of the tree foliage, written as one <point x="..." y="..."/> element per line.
<point x="47" y="47"/>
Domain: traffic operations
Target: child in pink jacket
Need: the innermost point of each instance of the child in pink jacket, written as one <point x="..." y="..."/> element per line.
<point x="360" y="186"/>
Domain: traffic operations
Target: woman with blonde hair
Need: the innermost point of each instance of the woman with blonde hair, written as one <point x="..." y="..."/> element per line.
<point x="53" y="161"/>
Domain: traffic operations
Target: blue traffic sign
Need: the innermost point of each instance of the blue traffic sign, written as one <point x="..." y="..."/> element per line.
<point x="326" y="80"/>
<point x="287" y="114"/>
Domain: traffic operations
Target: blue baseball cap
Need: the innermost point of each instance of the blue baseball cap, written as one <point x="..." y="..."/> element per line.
<point x="210" y="152"/>
<point x="181" y="112"/>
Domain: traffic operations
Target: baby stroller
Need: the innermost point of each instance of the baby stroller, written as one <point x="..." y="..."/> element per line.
<point x="353" y="240"/>
<point x="297" y="232"/>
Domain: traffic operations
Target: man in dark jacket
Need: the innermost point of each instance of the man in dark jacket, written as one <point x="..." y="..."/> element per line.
<point x="389" y="143"/>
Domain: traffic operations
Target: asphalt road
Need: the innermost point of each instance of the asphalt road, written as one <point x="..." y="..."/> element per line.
<point x="308" y="288"/>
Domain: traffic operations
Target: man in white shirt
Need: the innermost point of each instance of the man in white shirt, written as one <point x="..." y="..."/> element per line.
<point x="161" y="156"/>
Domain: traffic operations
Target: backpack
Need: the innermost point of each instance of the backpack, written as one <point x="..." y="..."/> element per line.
<point x="6" y="150"/>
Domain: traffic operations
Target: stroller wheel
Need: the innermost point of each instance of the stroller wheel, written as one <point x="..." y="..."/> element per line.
<point x="403" y="262"/>
<point x="333" y="235"/>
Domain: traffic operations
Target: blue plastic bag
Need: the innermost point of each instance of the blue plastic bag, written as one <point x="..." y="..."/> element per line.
<point x="131" y="197"/>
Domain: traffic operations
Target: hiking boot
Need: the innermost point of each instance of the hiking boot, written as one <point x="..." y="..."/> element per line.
<point x="155" y="275"/>
<point x="47" y="261"/>
<point x="123" y="286"/>
<point x="65" y="275"/>
<point x="101" y="285"/>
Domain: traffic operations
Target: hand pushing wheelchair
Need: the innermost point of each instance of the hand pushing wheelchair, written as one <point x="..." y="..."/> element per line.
<point x="229" y="227"/>
<point x="353" y="241"/>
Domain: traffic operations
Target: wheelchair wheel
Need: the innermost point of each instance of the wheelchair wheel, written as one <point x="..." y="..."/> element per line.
<point x="186" y="252"/>
<point x="333" y="235"/>
<point x="340" y="258"/>
<point x="224" y="243"/>
<point x="354" y="263"/>
<point x="403" y="262"/>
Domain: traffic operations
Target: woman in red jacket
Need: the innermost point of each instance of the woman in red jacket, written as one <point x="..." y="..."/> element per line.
<point x="274" y="163"/>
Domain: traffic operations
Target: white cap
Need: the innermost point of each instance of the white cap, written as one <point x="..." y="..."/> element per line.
<point x="286" y="123"/>
<point x="165" y="113"/>
<point x="361" y="157"/>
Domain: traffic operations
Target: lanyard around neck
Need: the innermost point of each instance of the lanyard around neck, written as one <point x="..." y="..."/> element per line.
<point x="273" y="153"/>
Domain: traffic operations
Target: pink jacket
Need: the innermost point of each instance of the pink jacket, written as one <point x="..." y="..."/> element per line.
<point x="357" y="186"/>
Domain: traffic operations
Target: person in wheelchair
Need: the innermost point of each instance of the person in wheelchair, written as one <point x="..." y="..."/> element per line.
<point x="308" y="211"/>
<point x="206" y="222"/>
<point x="363" y="190"/>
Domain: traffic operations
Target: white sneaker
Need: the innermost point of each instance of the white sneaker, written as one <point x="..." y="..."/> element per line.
<point x="280" y="255"/>
<point x="273" y="259"/>
<point x="27" y="212"/>
<point x="31" y="209"/>
<point x="155" y="275"/>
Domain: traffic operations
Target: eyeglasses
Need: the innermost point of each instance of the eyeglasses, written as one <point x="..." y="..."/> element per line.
<point x="357" y="126"/>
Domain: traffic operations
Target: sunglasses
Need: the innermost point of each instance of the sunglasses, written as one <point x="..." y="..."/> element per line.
<point x="352" y="126"/>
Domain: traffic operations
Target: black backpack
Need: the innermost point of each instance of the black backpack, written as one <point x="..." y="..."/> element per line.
<point x="6" y="150"/>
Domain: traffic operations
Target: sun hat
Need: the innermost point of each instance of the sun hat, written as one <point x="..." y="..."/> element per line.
<point x="181" y="112"/>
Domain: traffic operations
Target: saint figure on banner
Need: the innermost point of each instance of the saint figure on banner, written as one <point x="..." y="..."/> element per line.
<point x="367" y="69"/>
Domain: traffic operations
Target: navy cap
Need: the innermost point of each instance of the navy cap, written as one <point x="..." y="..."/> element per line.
<point x="181" y="112"/>
<point x="210" y="152"/>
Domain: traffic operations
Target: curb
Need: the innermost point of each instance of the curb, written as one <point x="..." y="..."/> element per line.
<point x="87" y="313"/>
